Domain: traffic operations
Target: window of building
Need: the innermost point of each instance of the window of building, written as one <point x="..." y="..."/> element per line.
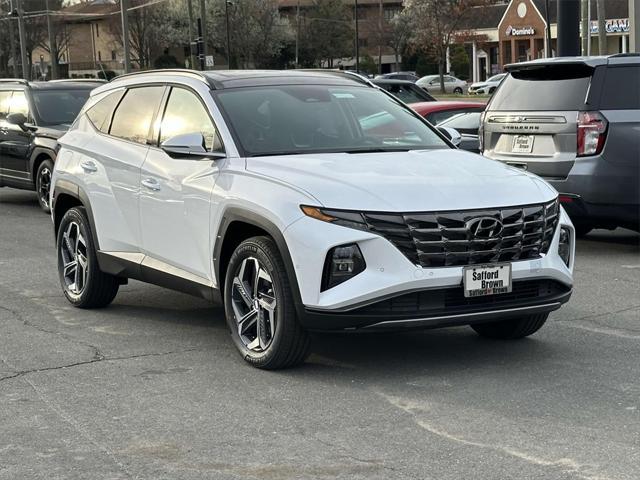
<point x="97" y="30"/>
<point x="100" y="114"/>
<point x="390" y="12"/>
<point x="113" y="54"/>
<point x="99" y="55"/>
<point x="133" y="117"/>
<point x="363" y="42"/>
<point x="185" y="113"/>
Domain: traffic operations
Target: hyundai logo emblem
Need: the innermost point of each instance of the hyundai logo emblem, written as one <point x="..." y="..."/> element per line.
<point x="484" y="227"/>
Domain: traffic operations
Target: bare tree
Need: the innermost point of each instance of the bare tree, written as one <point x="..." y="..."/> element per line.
<point x="436" y="23"/>
<point x="327" y="31"/>
<point x="399" y="33"/>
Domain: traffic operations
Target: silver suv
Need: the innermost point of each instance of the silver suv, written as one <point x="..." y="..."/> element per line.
<point x="573" y="121"/>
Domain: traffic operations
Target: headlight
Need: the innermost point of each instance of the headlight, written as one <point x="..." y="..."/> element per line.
<point x="342" y="263"/>
<point x="339" y="217"/>
<point x="564" y="245"/>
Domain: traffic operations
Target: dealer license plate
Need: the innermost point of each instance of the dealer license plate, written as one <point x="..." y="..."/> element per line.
<point x="522" y="144"/>
<point x="479" y="280"/>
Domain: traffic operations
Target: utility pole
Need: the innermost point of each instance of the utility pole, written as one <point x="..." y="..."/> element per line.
<point x="568" y="28"/>
<point x="586" y="23"/>
<point x="192" y="59"/>
<point x="226" y="14"/>
<point x="634" y="18"/>
<point x="380" y="37"/>
<point x="12" y="40"/>
<point x="602" y="31"/>
<point x="53" y="48"/>
<point x="357" y="41"/>
<point x="549" y="51"/>
<point x="26" y="70"/>
<point x="297" y="34"/>
<point x="203" y="33"/>
<point x="125" y="35"/>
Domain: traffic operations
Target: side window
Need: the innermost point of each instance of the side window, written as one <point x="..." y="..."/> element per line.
<point x="134" y="115"/>
<point x="620" y="90"/>
<point x="18" y="103"/>
<point x="185" y="113"/>
<point x="5" y="98"/>
<point x="100" y="114"/>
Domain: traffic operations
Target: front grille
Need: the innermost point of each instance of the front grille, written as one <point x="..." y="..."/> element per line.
<point x="451" y="301"/>
<point x="444" y="239"/>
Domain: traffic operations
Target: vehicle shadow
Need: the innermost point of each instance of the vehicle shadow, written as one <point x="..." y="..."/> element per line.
<point x="620" y="236"/>
<point x="18" y="198"/>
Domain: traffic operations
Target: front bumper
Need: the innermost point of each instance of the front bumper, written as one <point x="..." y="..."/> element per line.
<point x="443" y="308"/>
<point x="390" y="274"/>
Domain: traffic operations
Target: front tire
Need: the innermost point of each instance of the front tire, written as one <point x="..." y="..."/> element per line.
<point x="43" y="184"/>
<point x="84" y="285"/>
<point x="260" y="308"/>
<point x="513" y="328"/>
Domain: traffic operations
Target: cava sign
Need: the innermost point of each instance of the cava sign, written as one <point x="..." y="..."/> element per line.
<point x="618" y="25"/>
<point x="520" y="31"/>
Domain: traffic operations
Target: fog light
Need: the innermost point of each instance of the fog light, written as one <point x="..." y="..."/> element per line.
<point x="342" y="263"/>
<point x="564" y="245"/>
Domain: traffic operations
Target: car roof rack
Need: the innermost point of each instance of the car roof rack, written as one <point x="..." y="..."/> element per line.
<point x="341" y="73"/>
<point x="79" y="80"/>
<point x="173" y="71"/>
<point x="21" y="81"/>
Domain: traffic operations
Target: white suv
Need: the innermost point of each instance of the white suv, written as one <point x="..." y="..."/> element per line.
<point x="303" y="201"/>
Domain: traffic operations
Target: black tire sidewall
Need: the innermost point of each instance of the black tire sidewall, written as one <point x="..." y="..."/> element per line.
<point x="252" y="248"/>
<point x="78" y="215"/>
<point x="43" y="164"/>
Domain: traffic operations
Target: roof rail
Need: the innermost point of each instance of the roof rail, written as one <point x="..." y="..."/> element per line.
<point x="341" y="73"/>
<point x="22" y="81"/>
<point x="622" y="55"/>
<point x="175" y="71"/>
<point x="79" y="80"/>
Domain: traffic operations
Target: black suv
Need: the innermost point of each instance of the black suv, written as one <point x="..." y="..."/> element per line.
<point x="33" y="115"/>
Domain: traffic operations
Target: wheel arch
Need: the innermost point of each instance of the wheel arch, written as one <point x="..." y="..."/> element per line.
<point x="39" y="155"/>
<point x="236" y="226"/>
<point x="67" y="195"/>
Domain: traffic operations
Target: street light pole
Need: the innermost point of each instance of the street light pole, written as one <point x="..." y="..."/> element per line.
<point x="192" y="57"/>
<point x="125" y="35"/>
<point x="26" y="71"/>
<point x="203" y="33"/>
<point x="357" y="41"/>
<point x="297" y="34"/>
<point x="53" y="48"/>
<point x="12" y="40"/>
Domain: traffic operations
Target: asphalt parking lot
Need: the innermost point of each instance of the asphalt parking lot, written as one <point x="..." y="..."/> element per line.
<point x="152" y="388"/>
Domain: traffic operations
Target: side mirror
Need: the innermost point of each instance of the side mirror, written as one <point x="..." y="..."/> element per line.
<point x="452" y="135"/>
<point x="188" y="145"/>
<point x="18" y="119"/>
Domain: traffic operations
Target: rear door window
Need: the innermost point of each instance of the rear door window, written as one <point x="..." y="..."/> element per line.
<point x="556" y="87"/>
<point x="133" y="117"/>
<point x="621" y="88"/>
<point x="19" y="104"/>
<point x="5" y="98"/>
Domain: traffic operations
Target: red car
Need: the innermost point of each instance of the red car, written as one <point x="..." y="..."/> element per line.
<point x="437" y="112"/>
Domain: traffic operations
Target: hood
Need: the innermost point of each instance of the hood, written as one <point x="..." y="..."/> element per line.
<point x="53" y="131"/>
<point x="478" y="85"/>
<point x="405" y="181"/>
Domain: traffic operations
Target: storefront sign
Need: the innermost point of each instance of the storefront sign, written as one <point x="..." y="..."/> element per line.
<point x="520" y="31"/>
<point x="617" y="25"/>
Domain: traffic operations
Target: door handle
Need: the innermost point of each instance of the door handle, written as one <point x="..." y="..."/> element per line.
<point x="151" y="184"/>
<point x="89" y="166"/>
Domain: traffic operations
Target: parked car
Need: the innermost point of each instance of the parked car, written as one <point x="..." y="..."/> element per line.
<point x="409" y="76"/>
<point x="438" y="111"/>
<point x="32" y="117"/>
<point x="467" y="125"/>
<point x="302" y="201"/>
<point x="488" y="86"/>
<point x="575" y="123"/>
<point x="406" y="91"/>
<point x="431" y="83"/>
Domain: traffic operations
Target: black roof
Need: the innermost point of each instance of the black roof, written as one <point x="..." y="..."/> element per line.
<point x="487" y="16"/>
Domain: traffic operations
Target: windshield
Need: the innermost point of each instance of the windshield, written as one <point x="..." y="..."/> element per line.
<point x="55" y="107"/>
<point x="408" y="93"/>
<point x="496" y="78"/>
<point x="294" y="119"/>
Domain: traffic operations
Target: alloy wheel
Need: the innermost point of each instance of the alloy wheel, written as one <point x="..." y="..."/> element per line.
<point x="44" y="186"/>
<point x="74" y="259"/>
<point x="254" y="305"/>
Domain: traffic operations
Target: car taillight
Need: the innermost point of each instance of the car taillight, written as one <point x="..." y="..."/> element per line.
<point x="592" y="131"/>
<point x="481" y="133"/>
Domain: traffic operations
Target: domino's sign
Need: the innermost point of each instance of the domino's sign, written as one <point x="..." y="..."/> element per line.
<point x="520" y="31"/>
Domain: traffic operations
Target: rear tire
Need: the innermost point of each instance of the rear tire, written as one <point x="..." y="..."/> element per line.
<point x="457" y="91"/>
<point x="43" y="184"/>
<point x="84" y="285"/>
<point x="513" y="328"/>
<point x="257" y="289"/>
